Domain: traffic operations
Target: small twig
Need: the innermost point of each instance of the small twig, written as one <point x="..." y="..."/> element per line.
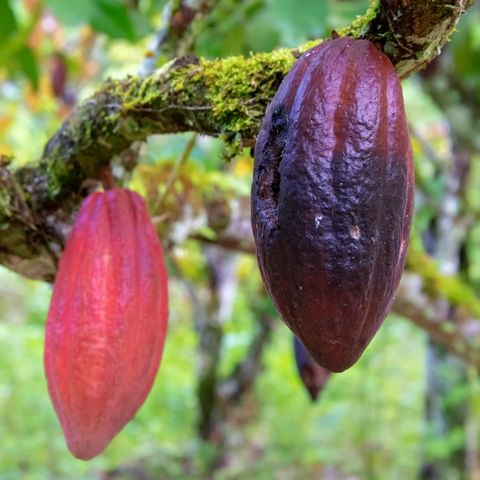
<point x="244" y="374"/>
<point x="199" y="312"/>
<point x="175" y="171"/>
<point x="177" y="16"/>
<point x="236" y="244"/>
<point x="151" y="56"/>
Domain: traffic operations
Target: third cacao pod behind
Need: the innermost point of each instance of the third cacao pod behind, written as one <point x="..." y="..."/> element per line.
<point x="332" y="197"/>
<point x="313" y="376"/>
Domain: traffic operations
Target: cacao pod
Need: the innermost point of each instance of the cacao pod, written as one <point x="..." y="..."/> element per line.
<point x="107" y="321"/>
<point x="332" y="197"/>
<point x="314" y="377"/>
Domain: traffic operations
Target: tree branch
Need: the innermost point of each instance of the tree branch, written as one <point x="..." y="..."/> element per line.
<point x="225" y="97"/>
<point x="246" y="371"/>
<point x="412" y="32"/>
<point x="460" y="337"/>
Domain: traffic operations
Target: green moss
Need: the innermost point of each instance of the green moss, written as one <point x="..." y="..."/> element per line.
<point x="437" y="284"/>
<point x="239" y="89"/>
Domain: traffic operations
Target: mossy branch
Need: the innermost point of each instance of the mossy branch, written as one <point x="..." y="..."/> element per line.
<point x="443" y="305"/>
<point x="225" y="97"/>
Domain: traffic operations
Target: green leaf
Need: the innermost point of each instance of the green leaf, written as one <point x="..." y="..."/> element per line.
<point x="112" y="18"/>
<point x="8" y="22"/>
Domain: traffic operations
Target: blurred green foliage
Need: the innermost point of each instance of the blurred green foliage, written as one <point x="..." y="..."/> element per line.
<point x="350" y="429"/>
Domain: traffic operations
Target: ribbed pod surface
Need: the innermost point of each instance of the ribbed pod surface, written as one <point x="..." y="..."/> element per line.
<point x="332" y="197"/>
<point x="107" y="320"/>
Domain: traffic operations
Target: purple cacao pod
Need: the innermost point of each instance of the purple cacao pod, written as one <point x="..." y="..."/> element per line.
<point x="332" y="197"/>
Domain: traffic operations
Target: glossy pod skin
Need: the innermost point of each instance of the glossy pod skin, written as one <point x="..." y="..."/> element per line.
<point x="107" y="321"/>
<point x="332" y="198"/>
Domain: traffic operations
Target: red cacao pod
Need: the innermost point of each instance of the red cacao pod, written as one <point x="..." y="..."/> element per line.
<point x="332" y="197"/>
<point x="107" y="321"/>
<point x="314" y="377"/>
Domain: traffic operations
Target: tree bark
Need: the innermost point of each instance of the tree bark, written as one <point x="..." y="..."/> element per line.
<point x="225" y="97"/>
